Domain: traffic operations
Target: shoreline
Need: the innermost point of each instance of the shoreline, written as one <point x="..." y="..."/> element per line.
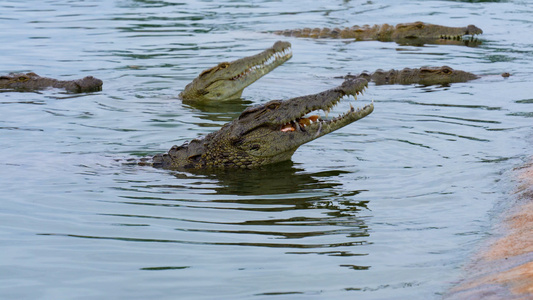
<point x="503" y="268"/>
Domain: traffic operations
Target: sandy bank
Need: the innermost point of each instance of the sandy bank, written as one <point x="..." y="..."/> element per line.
<point x="504" y="268"/>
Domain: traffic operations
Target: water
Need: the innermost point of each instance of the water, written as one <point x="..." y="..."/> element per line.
<point x="389" y="207"/>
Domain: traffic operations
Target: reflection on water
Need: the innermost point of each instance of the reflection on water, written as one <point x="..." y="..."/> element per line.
<point x="278" y="189"/>
<point x="220" y="111"/>
<point x="282" y="178"/>
<point x="279" y="207"/>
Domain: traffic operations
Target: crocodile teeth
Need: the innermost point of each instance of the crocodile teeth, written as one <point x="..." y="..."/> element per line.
<point x="300" y="123"/>
<point x="265" y="63"/>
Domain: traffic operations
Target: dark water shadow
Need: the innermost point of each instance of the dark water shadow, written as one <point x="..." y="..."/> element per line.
<point x="280" y="178"/>
<point x="219" y="111"/>
<point x="281" y="206"/>
<point x="285" y="186"/>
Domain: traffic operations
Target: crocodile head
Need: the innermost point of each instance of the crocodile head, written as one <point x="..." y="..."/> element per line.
<point x="227" y="80"/>
<point x="268" y="133"/>
<point x="443" y="75"/>
<point x="425" y="76"/>
<point x="32" y="82"/>
<point x="421" y="30"/>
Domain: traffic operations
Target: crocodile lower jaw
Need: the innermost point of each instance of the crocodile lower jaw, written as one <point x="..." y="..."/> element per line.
<point x="312" y="119"/>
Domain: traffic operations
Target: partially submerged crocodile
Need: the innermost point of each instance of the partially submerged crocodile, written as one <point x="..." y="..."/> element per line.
<point x="227" y="80"/>
<point x="425" y="76"/>
<point x="267" y="133"/>
<point x="386" y="32"/>
<point x="32" y="82"/>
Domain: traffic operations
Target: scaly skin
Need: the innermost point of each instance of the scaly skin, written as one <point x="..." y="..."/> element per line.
<point x="267" y="133"/>
<point x="227" y="80"/>
<point x="424" y="76"/>
<point x="386" y="32"/>
<point x="32" y="82"/>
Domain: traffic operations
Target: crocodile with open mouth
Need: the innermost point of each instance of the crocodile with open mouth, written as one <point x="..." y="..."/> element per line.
<point x="267" y="133"/>
<point x="227" y="80"/>
<point x="388" y="33"/>
<point x="32" y="82"/>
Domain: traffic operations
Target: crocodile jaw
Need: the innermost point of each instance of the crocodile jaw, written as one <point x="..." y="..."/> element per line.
<point x="422" y="30"/>
<point x="228" y="79"/>
<point x="283" y="135"/>
<point x="260" y="135"/>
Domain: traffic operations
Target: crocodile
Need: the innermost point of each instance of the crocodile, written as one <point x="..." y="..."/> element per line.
<point x="267" y="133"/>
<point x="227" y="80"/>
<point x="388" y="33"/>
<point x="32" y="82"/>
<point x="424" y="76"/>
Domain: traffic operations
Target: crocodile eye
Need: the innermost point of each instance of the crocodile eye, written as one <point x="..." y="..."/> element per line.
<point x="419" y="24"/>
<point x="194" y="158"/>
<point x="255" y="147"/>
<point x="220" y="66"/>
<point x="446" y="71"/>
<point x="23" y="78"/>
<point x="273" y="105"/>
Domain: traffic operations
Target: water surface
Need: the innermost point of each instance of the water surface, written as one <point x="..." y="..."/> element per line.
<point x="389" y="207"/>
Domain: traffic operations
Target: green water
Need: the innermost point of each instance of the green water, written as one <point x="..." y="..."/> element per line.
<point x="389" y="207"/>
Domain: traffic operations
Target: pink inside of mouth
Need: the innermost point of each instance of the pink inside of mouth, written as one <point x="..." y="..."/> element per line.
<point x="302" y="122"/>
